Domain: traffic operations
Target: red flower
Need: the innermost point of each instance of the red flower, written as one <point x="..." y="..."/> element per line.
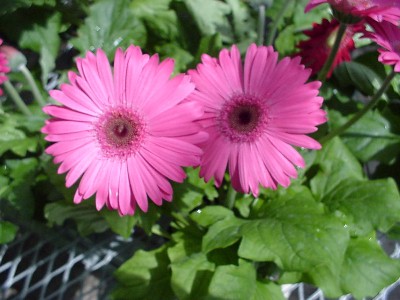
<point x="315" y="51"/>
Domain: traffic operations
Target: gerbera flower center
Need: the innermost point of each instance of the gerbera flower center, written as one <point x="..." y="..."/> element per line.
<point x="242" y="118"/>
<point x="120" y="132"/>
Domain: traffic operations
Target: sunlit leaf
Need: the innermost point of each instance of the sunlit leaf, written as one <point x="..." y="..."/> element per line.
<point x="109" y="25"/>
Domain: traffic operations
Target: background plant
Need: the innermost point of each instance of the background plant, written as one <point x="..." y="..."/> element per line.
<point x="321" y="230"/>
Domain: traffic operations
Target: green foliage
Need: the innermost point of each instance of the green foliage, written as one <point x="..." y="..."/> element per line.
<point x="158" y="18"/>
<point x="368" y="205"/>
<point x="358" y="75"/>
<point x="374" y="137"/>
<point x="321" y="230"/>
<point x="15" y="140"/>
<point x="85" y="216"/>
<point x="44" y="39"/>
<point x="22" y="177"/>
<point x="367" y="268"/>
<point x="145" y="274"/>
<point x="109" y="25"/>
<point x="210" y="16"/>
<point x="8" y="6"/>
<point x="8" y="232"/>
<point x="239" y="282"/>
<point x="292" y="22"/>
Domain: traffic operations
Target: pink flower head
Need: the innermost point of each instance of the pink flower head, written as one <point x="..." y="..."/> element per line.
<point x="315" y="51"/>
<point x="387" y="36"/>
<point x="253" y="114"/>
<point x="378" y="10"/>
<point x="4" y="68"/>
<point x="124" y="131"/>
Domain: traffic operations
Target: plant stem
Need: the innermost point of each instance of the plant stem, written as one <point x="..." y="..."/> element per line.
<point x="230" y="197"/>
<point x="12" y="92"/>
<point x="278" y="18"/>
<point x="328" y="64"/>
<point x="361" y="112"/>
<point x="261" y="24"/>
<point x="31" y="81"/>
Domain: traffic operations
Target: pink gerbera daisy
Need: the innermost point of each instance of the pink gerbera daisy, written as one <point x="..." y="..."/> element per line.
<point x="253" y="114"/>
<point x="125" y="132"/>
<point x="387" y="36"/>
<point x="378" y="10"/>
<point x="315" y="51"/>
<point x="4" y="68"/>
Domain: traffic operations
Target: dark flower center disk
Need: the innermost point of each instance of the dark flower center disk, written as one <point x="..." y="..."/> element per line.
<point x="244" y="117"/>
<point x="120" y="131"/>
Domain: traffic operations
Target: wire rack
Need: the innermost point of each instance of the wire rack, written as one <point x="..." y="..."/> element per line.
<point x="59" y="265"/>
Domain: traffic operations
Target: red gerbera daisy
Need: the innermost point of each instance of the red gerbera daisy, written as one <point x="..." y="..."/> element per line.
<point x="315" y="51"/>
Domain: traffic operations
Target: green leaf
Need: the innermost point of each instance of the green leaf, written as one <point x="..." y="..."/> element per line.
<point x="210" y="17"/>
<point x="182" y="57"/>
<point x="8" y="232"/>
<point x="191" y="193"/>
<point x="8" y="6"/>
<point x="370" y="205"/>
<point x="339" y="183"/>
<point x="222" y="234"/>
<point x="370" y="138"/>
<point x="187" y="242"/>
<point x="233" y="282"/>
<point x="147" y="220"/>
<point x="157" y="16"/>
<point x="122" y="225"/>
<point x="297" y="235"/>
<point x="87" y="219"/>
<point x="146" y="273"/>
<point x="267" y="291"/>
<point x="243" y="25"/>
<point x="367" y="269"/>
<point x="239" y="282"/>
<point x="43" y="38"/>
<point x="336" y="163"/>
<point x="210" y="44"/>
<point x="22" y="173"/>
<point x="211" y="214"/>
<point x="191" y="276"/>
<point x="286" y="42"/>
<point x="109" y="25"/>
<point x="292" y="23"/>
<point x="356" y="74"/>
<point x="13" y="139"/>
<point x="243" y="204"/>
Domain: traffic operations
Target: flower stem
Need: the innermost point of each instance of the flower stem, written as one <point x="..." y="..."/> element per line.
<point x="328" y="64"/>
<point x="261" y="24"/>
<point x="230" y="197"/>
<point x="36" y="93"/>
<point x="278" y="18"/>
<point x="361" y="112"/>
<point x="12" y="92"/>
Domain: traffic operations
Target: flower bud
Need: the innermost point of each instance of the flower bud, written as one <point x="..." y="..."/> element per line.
<point x="14" y="57"/>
